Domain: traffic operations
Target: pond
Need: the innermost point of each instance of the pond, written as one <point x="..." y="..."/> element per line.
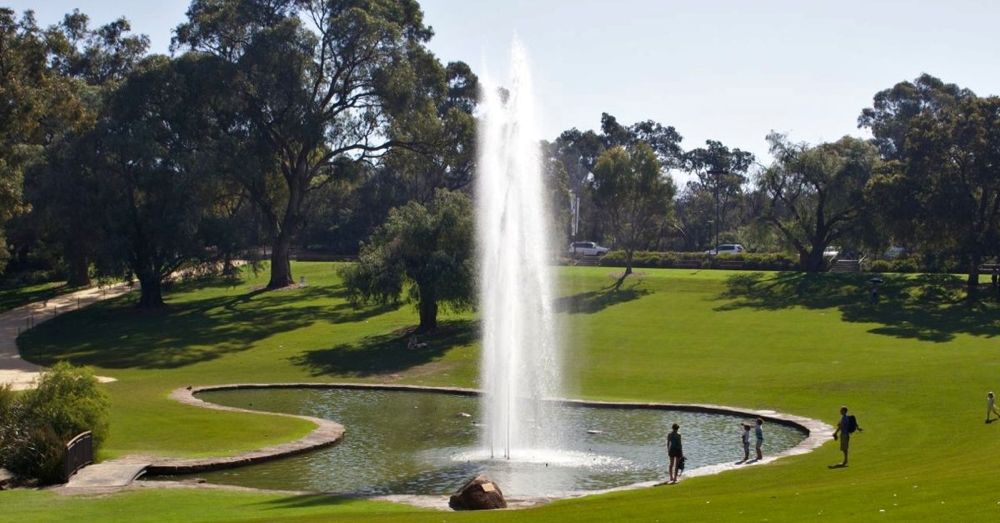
<point x="425" y="443"/>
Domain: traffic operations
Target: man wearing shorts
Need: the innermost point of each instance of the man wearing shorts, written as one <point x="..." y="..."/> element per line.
<point x="843" y="428"/>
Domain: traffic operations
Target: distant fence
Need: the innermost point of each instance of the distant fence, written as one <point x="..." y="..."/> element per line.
<point x="79" y="453"/>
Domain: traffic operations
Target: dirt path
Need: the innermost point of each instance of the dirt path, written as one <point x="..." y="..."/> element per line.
<point x="21" y="374"/>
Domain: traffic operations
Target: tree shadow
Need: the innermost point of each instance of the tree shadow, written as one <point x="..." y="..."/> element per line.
<point x="387" y="353"/>
<point x="591" y="302"/>
<point x="308" y="500"/>
<point x="115" y="335"/>
<point x="926" y="307"/>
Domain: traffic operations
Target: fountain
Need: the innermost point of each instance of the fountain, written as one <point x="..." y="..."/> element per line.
<point x="424" y="442"/>
<point x="520" y="361"/>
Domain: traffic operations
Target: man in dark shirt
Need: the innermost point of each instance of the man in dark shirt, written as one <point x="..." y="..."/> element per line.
<point x="844" y="429"/>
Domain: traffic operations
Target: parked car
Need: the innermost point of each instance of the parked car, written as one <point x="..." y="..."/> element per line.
<point x="831" y="251"/>
<point x="726" y="248"/>
<point x="586" y="249"/>
<point x="894" y="252"/>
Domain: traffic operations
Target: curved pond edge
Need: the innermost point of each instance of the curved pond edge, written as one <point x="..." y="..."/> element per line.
<point x="328" y="433"/>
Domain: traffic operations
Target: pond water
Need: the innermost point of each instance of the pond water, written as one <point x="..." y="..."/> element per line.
<point x="402" y="442"/>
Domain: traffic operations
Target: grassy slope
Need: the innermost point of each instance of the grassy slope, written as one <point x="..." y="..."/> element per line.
<point x="915" y="370"/>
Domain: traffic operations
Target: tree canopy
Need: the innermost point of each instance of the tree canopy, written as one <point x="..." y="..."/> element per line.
<point x="816" y="194"/>
<point x="320" y="82"/>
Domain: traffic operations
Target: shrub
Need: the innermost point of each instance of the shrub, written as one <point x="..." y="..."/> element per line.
<point x="905" y="264"/>
<point x="649" y="259"/>
<point x="36" y="424"/>
<point x="879" y="266"/>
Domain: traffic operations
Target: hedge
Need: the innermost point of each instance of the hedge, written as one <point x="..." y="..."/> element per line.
<point x="751" y="261"/>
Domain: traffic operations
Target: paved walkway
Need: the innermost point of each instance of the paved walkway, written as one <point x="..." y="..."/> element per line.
<point x="21" y="374"/>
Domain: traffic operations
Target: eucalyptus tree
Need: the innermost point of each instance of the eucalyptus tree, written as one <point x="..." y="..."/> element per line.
<point x="634" y="196"/>
<point x="320" y="83"/>
<point x="945" y="192"/>
<point x="815" y="195"/>
<point x="893" y="110"/>
<point x="579" y="152"/>
<point x="720" y="172"/>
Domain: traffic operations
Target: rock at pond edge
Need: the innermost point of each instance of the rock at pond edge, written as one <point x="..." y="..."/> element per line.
<point x="479" y="493"/>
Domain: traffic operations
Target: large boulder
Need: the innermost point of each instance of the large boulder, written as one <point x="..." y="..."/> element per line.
<point x="479" y="493"/>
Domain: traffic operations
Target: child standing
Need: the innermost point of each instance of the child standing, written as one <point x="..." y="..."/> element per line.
<point x="991" y="407"/>
<point x="746" y="441"/>
<point x="759" y="433"/>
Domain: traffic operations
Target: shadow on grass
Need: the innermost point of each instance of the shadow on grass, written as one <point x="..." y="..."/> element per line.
<point x="309" y="500"/>
<point x="114" y="334"/>
<point x="591" y="302"/>
<point x="927" y="307"/>
<point x="387" y="353"/>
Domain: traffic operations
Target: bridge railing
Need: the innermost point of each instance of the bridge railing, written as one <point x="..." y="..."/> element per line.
<point x="79" y="453"/>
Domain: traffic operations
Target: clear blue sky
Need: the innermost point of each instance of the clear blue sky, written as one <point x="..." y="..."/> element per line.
<point x="729" y="70"/>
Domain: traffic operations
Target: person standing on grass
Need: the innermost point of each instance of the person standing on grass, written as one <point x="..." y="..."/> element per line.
<point x="675" y="451"/>
<point x="759" y="436"/>
<point x="845" y="427"/>
<point x="991" y="407"/>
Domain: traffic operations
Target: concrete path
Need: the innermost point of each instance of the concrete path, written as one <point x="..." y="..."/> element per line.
<point x="21" y="374"/>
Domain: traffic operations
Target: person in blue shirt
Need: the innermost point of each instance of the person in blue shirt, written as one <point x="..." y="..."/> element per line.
<point x="759" y="435"/>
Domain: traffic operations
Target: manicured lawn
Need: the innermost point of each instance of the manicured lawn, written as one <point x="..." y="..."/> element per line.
<point x="915" y="369"/>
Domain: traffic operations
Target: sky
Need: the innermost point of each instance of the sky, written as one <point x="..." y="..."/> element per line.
<point x="729" y="70"/>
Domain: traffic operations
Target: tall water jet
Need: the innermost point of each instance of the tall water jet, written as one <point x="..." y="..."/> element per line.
<point x="520" y="363"/>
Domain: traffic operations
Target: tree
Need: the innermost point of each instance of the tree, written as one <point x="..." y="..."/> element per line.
<point x="945" y="192"/>
<point x="633" y="195"/>
<point x="424" y="251"/>
<point x="816" y="195"/>
<point x="721" y="173"/>
<point x="894" y="109"/>
<point x="152" y="172"/>
<point x="579" y="152"/>
<point x="320" y="81"/>
<point x="36" y="107"/>
<point x="90" y="64"/>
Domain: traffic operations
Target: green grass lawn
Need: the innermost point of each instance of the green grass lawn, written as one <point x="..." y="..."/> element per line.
<point x="915" y="369"/>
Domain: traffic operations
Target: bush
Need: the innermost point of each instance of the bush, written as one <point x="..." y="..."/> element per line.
<point x="880" y="266"/>
<point x="751" y="261"/>
<point x="35" y="425"/>
<point x="905" y="264"/>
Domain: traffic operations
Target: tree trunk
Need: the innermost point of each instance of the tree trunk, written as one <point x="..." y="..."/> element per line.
<point x="281" y="267"/>
<point x="150" y="292"/>
<point x="972" y="282"/>
<point x="628" y="270"/>
<point x="428" y="310"/>
<point x="811" y="261"/>
<point x="79" y="270"/>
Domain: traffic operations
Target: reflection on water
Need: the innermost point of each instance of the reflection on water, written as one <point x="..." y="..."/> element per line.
<point x="426" y="443"/>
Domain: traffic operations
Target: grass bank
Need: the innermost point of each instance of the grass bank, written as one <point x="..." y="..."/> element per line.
<point x="915" y="369"/>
